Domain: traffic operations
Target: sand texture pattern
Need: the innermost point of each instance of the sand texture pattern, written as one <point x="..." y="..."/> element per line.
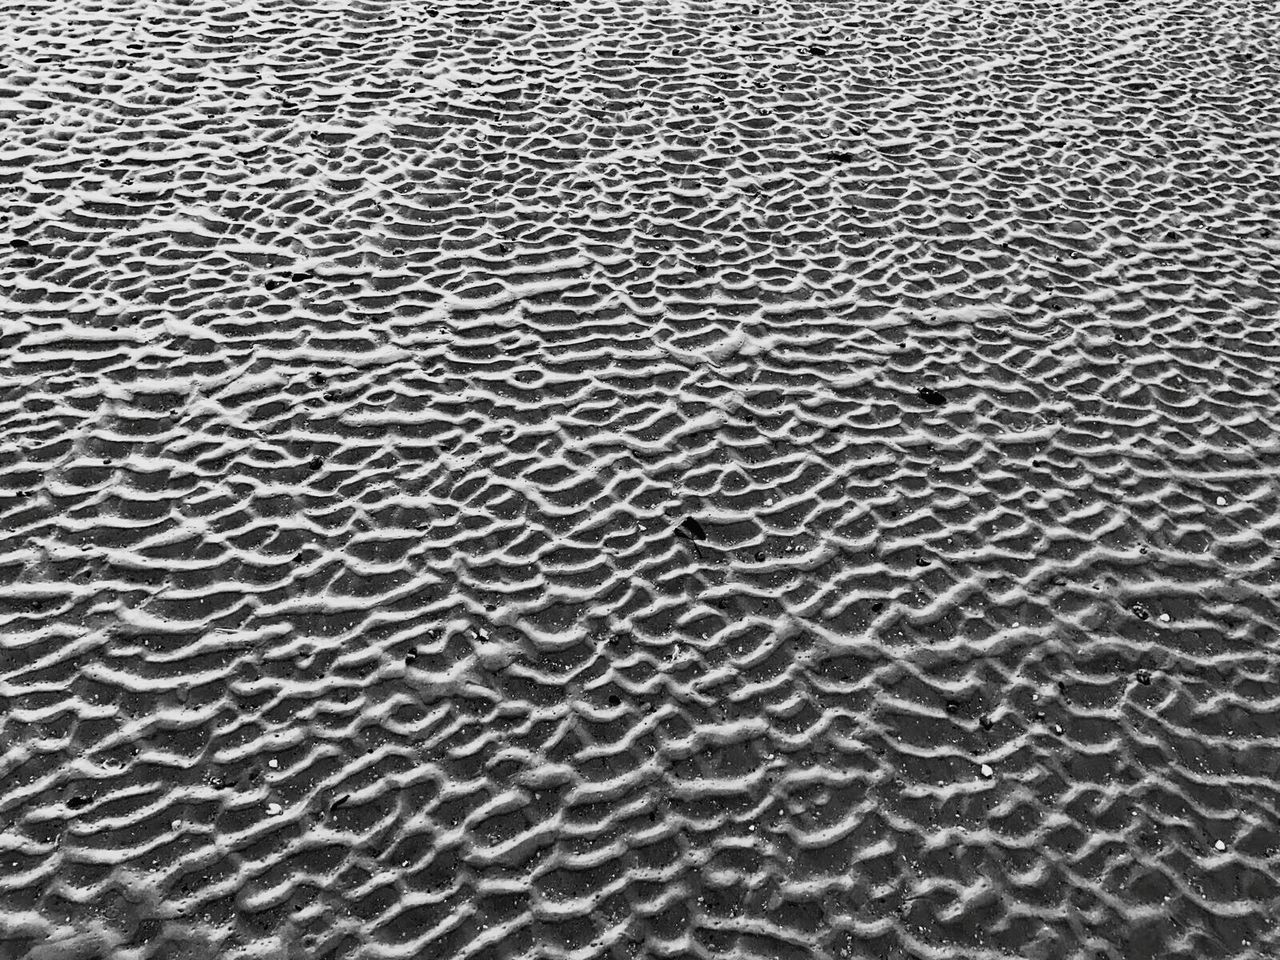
<point x="574" y="480"/>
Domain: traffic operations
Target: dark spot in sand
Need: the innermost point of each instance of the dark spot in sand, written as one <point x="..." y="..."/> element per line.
<point x="1144" y="676"/>
<point x="1140" y="611"/>
<point x="986" y="722"/>
<point x="952" y="706"/>
<point x="921" y="562"/>
<point x="930" y="395"/>
<point x="19" y="244"/>
<point x="79" y="802"/>
<point x="614" y="701"/>
<point x="692" y="529"/>
<point x="841" y="156"/>
<point x="877" y="607"/>
<point x="815" y="50"/>
<point x="760" y="556"/>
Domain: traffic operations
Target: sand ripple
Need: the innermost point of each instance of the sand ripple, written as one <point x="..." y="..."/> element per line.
<point x="639" y="480"/>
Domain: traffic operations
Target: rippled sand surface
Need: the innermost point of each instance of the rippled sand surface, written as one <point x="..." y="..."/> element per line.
<point x="639" y="480"/>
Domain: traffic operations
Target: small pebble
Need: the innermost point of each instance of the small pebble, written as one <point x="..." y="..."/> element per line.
<point x="1220" y="846"/>
<point x="1164" y="617"/>
<point x="987" y="771"/>
<point x="1222" y="501"/>
<point x="274" y="808"/>
<point x="273" y="763"/>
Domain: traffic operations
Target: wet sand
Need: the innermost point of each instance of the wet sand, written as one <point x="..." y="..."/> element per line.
<point x="639" y="480"/>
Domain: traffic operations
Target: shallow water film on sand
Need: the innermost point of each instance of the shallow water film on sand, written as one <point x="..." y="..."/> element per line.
<point x="648" y="480"/>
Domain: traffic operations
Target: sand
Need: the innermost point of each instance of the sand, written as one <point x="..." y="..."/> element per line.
<point x="639" y="480"/>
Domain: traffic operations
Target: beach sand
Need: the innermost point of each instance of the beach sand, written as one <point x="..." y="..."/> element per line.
<point x="639" y="480"/>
